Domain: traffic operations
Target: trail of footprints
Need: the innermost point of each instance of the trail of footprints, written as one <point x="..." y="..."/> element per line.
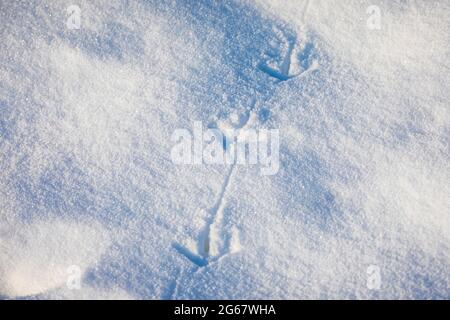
<point x="281" y="64"/>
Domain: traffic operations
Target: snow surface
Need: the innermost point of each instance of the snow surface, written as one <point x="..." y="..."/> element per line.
<point x="86" y="178"/>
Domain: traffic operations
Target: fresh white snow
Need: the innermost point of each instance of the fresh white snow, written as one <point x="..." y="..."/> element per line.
<point x="87" y="182"/>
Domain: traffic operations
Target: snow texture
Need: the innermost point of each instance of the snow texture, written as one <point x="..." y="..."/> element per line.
<point x="86" y="178"/>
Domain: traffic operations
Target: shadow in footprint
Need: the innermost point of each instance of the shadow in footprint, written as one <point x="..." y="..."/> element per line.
<point x="194" y="258"/>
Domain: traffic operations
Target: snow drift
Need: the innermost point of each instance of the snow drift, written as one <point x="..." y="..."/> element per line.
<point x="86" y="178"/>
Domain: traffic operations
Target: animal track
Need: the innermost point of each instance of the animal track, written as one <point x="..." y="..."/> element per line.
<point x="210" y="245"/>
<point x="210" y="241"/>
<point x="291" y="57"/>
<point x="287" y="61"/>
<point x="194" y="258"/>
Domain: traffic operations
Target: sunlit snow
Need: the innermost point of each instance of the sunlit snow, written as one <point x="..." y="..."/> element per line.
<point x="358" y="209"/>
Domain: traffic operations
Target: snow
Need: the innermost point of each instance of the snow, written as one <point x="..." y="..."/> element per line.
<point x="39" y="257"/>
<point x="87" y="179"/>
